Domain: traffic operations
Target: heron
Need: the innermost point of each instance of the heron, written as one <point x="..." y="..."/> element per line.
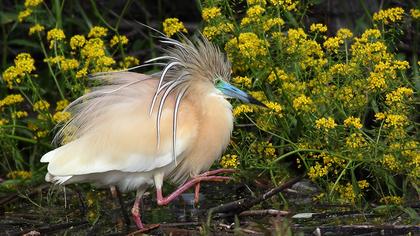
<point x="137" y="130"/>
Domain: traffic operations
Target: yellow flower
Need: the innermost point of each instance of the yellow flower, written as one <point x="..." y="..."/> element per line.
<point x="333" y="44"/>
<point x="60" y="117"/>
<point x="394" y="200"/>
<point x="380" y="116"/>
<point x="274" y="107"/>
<point x="32" y="3"/>
<point x="229" y="161"/>
<point x="325" y="123"/>
<point x="390" y="162"/>
<point x="210" y="13"/>
<point x="318" y="28"/>
<point x="24" y="64"/>
<point x="94" y="48"/>
<point x="55" y="35"/>
<point x="395" y="120"/>
<point x="243" y="108"/>
<point x="41" y="105"/>
<point x="118" y="39"/>
<point x="211" y="32"/>
<point x="317" y="171"/>
<point x="259" y="95"/>
<point x="249" y="45"/>
<point x="97" y="32"/>
<point x="129" y="61"/>
<point x="244" y="81"/>
<point x="19" y="114"/>
<point x="19" y="174"/>
<point x="3" y="122"/>
<point x="11" y="99"/>
<point x="77" y="41"/>
<point x="24" y="14"/>
<point x="61" y="105"/>
<point x="344" y="33"/>
<point x="253" y="2"/>
<point x="415" y="13"/>
<point x="398" y="95"/>
<point x="389" y="16"/>
<point x="353" y="121"/>
<point x="54" y="60"/>
<point x="267" y="25"/>
<point x="289" y="5"/>
<point x="172" y="26"/>
<point x="355" y="140"/>
<point x="303" y="103"/>
<point x="35" y="29"/>
<point x="69" y="64"/>
<point x="82" y="73"/>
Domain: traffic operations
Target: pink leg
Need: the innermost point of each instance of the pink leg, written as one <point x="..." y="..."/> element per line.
<point x="135" y="211"/>
<point x="197" y="193"/>
<point x="165" y="200"/>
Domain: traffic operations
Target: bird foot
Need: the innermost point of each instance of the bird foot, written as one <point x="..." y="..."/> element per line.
<point x="211" y="176"/>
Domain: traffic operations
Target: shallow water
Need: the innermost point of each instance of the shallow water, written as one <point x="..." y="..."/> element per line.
<point x="95" y="212"/>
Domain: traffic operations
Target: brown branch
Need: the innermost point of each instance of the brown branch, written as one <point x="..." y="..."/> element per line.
<point x="246" y="203"/>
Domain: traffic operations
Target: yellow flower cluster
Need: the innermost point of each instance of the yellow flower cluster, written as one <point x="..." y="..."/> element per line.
<point x="24" y="14"/>
<point x="259" y="95"/>
<point x="128" y="62"/>
<point x="288" y="5"/>
<point x="394" y="200"/>
<point x="93" y="49"/>
<point x="303" y="103"/>
<point x="24" y="64"/>
<point x="317" y="171"/>
<point x="316" y="27"/>
<point x="61" y="116"/>
<point x="325" y="123"/>
<point x="35" y="29"/>
<point x="243" y="108"/>
<point x="97" y="32"/>
<point x="41" y="105"/>
<point x="274" y="107"/>
<point x="355" y="140"/>
<point x="253" y="2"/>
<point x="172" y="26"/>
<point x="11" y="99"/>
<point x="61" y="105"/>
<point x="19" y="174"/>
<point x="19" y="114"/>
<point x="243" y="81"/>
<point x="353" y="121"/>
<point x="229" y="161"/>
<point x="278" y="73"/>
<point x="118" y="40"/>
<point x="398" y="95"/>
<point x="77" y="41"/>
<point x="270" y="23"/>
<point x="69" y="64"/>
<point x="344" y="33"/>
<point x="249" y="45"/>
<point x="32" y="3"/>
<point x="253" y="15"/>
<point x="210" y="32"/>
<point x="392" y="120"/>
<point x="347" y="193"/>
<point x="210" y="13"/>
<point x="415" y="13"/>
<point x="55" y="35"/>
<point x="390" y="162"/>
<point x="389" y="16"/>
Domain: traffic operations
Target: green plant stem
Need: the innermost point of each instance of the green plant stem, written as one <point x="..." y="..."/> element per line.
<point x="50" y="68"/>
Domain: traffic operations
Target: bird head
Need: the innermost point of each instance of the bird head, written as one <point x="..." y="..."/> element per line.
<point x="198" y="63"/>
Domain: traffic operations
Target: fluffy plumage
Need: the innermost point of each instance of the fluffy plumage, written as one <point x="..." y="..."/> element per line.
<point x="134" y="128"/>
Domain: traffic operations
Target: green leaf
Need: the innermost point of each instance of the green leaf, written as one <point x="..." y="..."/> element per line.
<point x="23" y="42"/>
<point x="6" y="17"/>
